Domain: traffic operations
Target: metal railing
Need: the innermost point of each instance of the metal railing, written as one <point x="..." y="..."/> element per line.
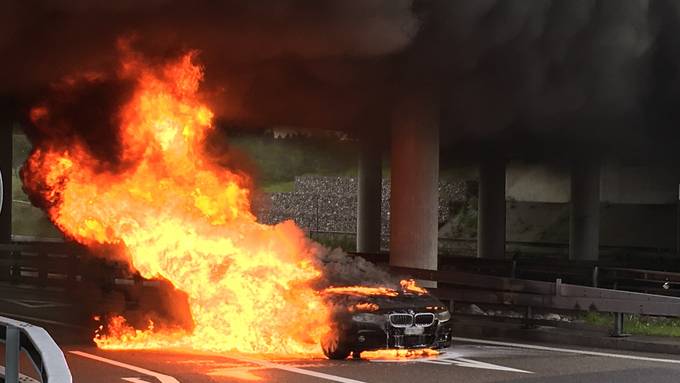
<point x="496" y="282"/>
<point x="455" y="286"/>
<point x="40" y="263"/>
<point x="616" y="274"/>
<point x="515" y="281"/>
<point x="656" y="276"/>
<point x="530" y="247"/>
<point x="46" y="357"/>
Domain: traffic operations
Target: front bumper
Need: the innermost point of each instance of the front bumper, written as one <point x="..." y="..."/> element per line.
<point x="369" y="337"/>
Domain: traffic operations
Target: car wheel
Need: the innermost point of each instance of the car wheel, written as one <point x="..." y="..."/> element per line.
<point x="333" y="346"/>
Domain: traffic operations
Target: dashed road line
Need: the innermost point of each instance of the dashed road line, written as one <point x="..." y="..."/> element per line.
<point x="161" y="377"/>
<point x="567" y="350"/>
<point x="321" y="375"/>
<point x="455" y="360"/>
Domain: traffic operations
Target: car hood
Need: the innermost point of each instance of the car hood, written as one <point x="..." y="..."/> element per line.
<point x="421" y="302"/>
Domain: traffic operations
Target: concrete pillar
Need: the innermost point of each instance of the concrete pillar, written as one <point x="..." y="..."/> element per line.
<point x="6" y="143"/>
<point x="369" y="196"/>
<point x="415" y="170"/>
<point x="491" y="213"/>
<point x="584" y="229"/>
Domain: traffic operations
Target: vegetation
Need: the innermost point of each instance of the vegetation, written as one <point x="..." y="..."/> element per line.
<point x="276" y="161"/>
<point x="26" y="219"/>
<point x="638" y="324"/>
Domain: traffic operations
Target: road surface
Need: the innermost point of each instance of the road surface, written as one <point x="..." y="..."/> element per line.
<point x="468" y="360"/>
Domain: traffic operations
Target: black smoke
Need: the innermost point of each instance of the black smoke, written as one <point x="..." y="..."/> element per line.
<point x="539" y="76"/>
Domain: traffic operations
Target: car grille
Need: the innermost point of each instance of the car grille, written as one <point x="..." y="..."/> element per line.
<point x="401" y="320"/>
<point x="423" y="319"/>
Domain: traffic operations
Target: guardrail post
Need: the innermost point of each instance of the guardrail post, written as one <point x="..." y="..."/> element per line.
<point x="618" y="326"/>
<point x="596" y="275"/>
<point x="528" y="319"/>
<point x="558" y="287"/>
<point x="12" y="350"/>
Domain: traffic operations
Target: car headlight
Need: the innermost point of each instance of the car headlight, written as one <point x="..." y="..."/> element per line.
<point x="443" y="316"/>
<point x="368" y="318"/>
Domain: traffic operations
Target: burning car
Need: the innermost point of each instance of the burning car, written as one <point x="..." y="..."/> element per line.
<point x="375" y="318"/>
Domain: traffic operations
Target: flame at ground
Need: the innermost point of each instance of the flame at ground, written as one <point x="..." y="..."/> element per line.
<point x="400" y="354"/>
<point x="182" y="218"/>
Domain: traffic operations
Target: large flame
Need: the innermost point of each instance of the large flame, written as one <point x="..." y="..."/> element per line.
<point x="185" y="219"/>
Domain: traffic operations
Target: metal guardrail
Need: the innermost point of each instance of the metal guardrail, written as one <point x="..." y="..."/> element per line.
<point x="605" y="273"/>
<point x="516" y="246"/>
<point x="495" y="282"/>
<point x="46" y="357"/>
<point x="475" y="288"/>
<point x="610" y="273"/>
<point x="40" y="263"/>
<point x="473" y="280"/>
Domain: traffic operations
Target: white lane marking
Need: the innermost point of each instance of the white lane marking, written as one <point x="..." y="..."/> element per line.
<point x="435" y="362"/>
<point x="566" y="350"/>
<point x="22" y="378"/>
<point x="464" y="362"/>
<point x="135" y="380"/>
<point x="161" y="377"/>
<point x="30" y="318"/>
<point x="454" y="360"/>
<point x="297" y="370"/>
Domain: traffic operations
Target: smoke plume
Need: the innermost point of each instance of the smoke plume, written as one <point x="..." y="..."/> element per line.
<point x="541" y="73"/>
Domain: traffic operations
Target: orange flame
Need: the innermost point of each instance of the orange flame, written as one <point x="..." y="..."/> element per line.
<point x="409" y="285"/>
<point x="184" y="219"/>
<point x="364" y="306"/>
<point x="361" y="291"/>
<point x="391" y="354"/>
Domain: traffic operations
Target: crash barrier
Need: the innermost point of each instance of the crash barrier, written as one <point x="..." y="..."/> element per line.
<point x="61" y="264"/>
<point x="610" y="273"/>
<point x="620" y="273"/>
<point x="456" y="286"/>
<point x="462" y="246"/>
<point x="40" y="263"/>
<point x="49" y="263"/>
<point x="46" y="357"/>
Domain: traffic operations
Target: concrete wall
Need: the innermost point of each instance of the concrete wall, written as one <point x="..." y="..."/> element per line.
<point x="643" y="225"/>
<point x="619" y="184"/>
<point x="638" y="184"/>
<point x="537" y="183"/>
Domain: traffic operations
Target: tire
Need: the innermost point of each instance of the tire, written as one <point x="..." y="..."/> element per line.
<point x="333" y="346"/>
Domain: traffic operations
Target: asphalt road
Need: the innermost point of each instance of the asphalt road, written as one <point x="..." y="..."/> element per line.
<point x="468" y="360"/>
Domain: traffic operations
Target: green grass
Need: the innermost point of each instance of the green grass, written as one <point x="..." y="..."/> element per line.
<point x="279" y="187"/>
<point x="637" y="324"/>
<point x="276" y="162"/>
<point x="26" y="219"/>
